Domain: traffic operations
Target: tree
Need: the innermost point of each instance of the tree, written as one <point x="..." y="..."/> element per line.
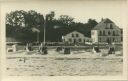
<point x="24" y="25"/>
<point x="49" y="25"/>
<point x="92" y="23"/>
<point x="50" y="16"/>
<point x="16" y="18"/>
<point x="33" y="19"/>
<point x="66" y="20"/>
<point x="21" y="23"/>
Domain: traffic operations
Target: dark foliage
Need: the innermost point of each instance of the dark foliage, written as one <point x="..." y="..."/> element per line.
<point x="20" y="24"/>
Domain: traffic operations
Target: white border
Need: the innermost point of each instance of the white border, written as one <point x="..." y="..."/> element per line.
<point x="58" y="78"/>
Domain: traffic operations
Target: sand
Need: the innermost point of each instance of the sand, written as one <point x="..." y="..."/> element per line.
<point x="78" y="63"/>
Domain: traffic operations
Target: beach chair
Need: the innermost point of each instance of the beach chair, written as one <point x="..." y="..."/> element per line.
<point x="67" y="50"/>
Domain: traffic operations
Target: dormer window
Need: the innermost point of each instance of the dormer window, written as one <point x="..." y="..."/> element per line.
<point x="111" y="27"/>
<point x="106" y="26"/>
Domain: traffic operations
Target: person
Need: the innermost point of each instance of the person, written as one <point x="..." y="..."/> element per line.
<point x="67" y="50"/>
<point x="30" y="46"/>
<point x="59" y="49"/>
<point x="111" y="50"/>
<point x="45" y="50"/>
<point x="40" y="48"/>
<point x="14" y="47"/>
<point x="96" y="49"/>
<point x="27" y="47"/>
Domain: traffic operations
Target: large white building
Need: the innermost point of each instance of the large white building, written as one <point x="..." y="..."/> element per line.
<point x="76" y="37"/>
<point x="106" y="32"/>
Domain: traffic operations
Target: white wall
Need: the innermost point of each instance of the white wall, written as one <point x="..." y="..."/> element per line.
<point x="94" y="35"/>
<point x="69" y="36"/>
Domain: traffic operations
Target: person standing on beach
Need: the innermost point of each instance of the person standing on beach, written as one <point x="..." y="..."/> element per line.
<point x="29" y="47"/>
<point x="14" y="47"/>
<point x="40" y="48"/>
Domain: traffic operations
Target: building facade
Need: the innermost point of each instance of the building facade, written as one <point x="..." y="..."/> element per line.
<point x="106" y="32"/>
<point x="76" y="37"/>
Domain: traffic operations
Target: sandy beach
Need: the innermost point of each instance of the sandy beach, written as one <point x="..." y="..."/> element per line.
<point x="55" y="64"/>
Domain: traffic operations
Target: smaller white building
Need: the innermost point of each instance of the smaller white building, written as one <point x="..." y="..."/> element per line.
<point x="76" y="37"/>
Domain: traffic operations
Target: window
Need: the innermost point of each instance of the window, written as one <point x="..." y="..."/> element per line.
<point x="121" y="31"/>
<point x="70" y="40"/>
<point x="108" y="40"/>
<point x="100" y="33"/>
<point x="106" y="27"/>
<point x="84" y="40"/>
<point x="77" y="35"/>
<point x="103" y="32"/>
<point x="111" y="26"/>
<point x="79" y="40"/>
<point x="118" y="33"/>
<point x="72" y="35"/>
<point x="121" y="38"/>
<point x="113" y="33"/>
<point x="113" y="39"/>
<point x="74" y="40"/>
<point x="109" y="33"/>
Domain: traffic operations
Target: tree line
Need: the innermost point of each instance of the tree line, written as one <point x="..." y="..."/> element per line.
<point x="24" y="26"/>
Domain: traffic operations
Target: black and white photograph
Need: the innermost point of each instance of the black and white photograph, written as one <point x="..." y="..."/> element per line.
<point x="64" y="38"/>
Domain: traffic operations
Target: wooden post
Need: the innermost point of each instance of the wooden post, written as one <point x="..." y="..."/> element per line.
<point x="37" y="37"/>
<point x="44" y="29"/>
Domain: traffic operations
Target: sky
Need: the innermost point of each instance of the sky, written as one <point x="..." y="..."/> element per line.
<point x="80" y="10"/>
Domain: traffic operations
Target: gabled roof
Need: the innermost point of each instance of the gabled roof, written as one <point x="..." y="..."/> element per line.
<point x="70" y="32"/>
<point x="84" y="33"/>
<point x="103" y="24"/>
<point x="107" y="20"/>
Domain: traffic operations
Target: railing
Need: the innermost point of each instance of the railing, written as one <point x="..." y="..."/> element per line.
<point x="61" y="44"/>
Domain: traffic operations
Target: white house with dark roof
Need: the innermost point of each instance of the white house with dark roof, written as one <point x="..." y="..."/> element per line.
<point x="76" y="37"/>
<point x="106" y="31"/>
